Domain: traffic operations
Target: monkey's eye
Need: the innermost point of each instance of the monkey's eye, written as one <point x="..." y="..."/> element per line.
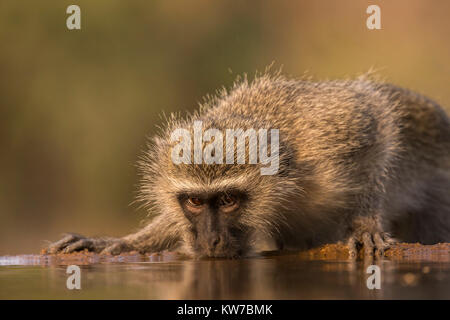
<point x="228" y="202"/>
<point x="194" y="202"/>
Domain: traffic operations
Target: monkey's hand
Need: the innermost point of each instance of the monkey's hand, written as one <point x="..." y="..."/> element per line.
<point x="75" y="242"/>
<point x="368" y="234"/>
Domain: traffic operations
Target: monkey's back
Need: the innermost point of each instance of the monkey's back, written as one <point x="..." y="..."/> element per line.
<point x="340" y="118"/>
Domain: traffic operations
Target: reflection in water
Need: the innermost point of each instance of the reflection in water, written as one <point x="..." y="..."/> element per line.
<point x="281" y="277"/>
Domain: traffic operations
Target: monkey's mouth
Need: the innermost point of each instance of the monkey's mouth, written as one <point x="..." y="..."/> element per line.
<point x="230" y="246"/>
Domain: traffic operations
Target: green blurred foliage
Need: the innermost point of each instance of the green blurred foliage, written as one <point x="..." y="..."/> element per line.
<point x="76" y="106"/>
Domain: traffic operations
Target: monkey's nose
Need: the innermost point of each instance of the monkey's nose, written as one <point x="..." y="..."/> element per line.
<point x="214" y="241"/>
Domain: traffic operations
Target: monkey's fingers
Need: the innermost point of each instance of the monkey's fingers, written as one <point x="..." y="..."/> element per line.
<point x="380" y="244"/>
<point x="367" y="244"/>
<point x="383" y="242"/>
<point x="352" y="247"/>
<point x="63" y="243"/>
<point x="373" y="244"/>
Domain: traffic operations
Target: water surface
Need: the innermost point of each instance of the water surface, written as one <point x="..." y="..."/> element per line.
<point x="269" y="277"/>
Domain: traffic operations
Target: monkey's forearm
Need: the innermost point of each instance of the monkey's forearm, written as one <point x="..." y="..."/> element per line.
<point x="160" y="234"/>
<point x="157" y="236"/>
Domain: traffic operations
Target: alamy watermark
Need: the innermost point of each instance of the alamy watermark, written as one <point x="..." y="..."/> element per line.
<point x="374" y="280"/>
<point x="374" y="20"/>
<point x="74" y="280"/>
<point x="73" y="22"/>
<point x="235" y="139"/>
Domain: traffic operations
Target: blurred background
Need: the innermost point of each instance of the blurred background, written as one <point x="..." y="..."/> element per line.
<point x="76" y="105"/>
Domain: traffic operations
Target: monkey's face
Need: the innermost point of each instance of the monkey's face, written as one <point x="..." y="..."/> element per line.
<point x="215" y="227"/>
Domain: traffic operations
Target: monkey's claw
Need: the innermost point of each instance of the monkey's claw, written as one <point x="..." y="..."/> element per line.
<point x="373" y="244"/>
